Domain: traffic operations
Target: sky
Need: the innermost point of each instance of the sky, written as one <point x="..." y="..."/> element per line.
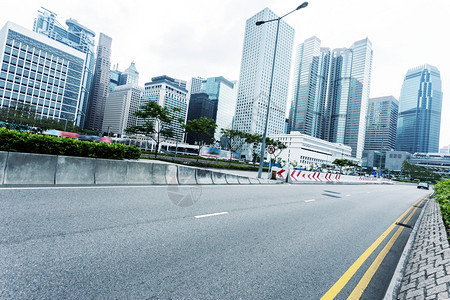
<point x="185" y="39"/>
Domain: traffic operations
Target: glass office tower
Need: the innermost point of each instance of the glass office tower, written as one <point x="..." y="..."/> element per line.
<point x="78" y="37"/>
<point x="420" y="106"/>
<point x="381" y="127"/>
<point x="39" y="73"/>
<point x="310" y="86"/>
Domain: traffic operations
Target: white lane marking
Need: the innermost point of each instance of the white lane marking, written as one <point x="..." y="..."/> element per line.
<point x="312" y="200"/>
<point x="348" y="195"/>
<point x="211" y="215"/>
<point x="368" y="192"/>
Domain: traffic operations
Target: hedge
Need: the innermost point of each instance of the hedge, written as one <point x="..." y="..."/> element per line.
<point x="442" y="191"/>
<point x="15" y="141"/>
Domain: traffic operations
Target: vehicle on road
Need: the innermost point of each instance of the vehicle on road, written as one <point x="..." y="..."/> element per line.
<point x="423" y="185"/>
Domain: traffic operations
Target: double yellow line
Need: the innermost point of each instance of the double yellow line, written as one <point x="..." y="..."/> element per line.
<point x="367" y="277"/>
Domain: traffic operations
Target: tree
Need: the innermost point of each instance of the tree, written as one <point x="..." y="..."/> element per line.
<point x="344" y="163"/>
<point x="278" y="145"/>
<point x="157" y="122"/>
<point x="204" y="127"/>
<point x="235" y="139"/>
<point x="412" y="172"/>
<point x="254" y="139"/>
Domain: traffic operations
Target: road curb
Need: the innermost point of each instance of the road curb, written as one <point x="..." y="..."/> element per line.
<point x="392" y="291"/>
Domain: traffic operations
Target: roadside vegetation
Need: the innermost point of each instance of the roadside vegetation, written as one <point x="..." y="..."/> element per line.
<point x="442" y="196"/>
<point x="15" y="141"/>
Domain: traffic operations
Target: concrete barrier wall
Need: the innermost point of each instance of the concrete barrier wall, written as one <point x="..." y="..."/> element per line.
<point x="3" y="160"/>
<point x="28" y="168"/>
<point x="139" y="173"/>
<point x="41" y="169"/>
<point x="219" y="178"/>
<point x="108" y="171"/>
<point x="159" y="174"/>
<point x="186" y="175"/>
<point x="75" y="170"/>
<point x="172" y="174"/>
<point x="204" y="176"/>
<point x="231" y="179"/>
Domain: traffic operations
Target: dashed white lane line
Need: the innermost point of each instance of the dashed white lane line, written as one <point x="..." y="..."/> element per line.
<point x="348" y="195"/>
<point x="312" y="200"/>
<point x="211" y="215"/>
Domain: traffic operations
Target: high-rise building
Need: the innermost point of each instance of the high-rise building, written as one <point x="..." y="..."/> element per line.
<point x="114" y="79"/>
<point x="307" y="114"/>
<point x="196" y="85"/>
<point x="200" y="105"/>
<point x="168" y="92"/>
<point x="255" y="75"/>
<point x="100" y="84"/>
<point x="78" y="37"/>
<point x="130" y="76"/>
<point x="381" y="127"/>
<point x="420" y="105"/>
<point x="331" y="92"/>
<point x="121" y="105"/>
<point x="348" y="96"/>
<point x="40" y="73"/>
<point x="224" y="92"/>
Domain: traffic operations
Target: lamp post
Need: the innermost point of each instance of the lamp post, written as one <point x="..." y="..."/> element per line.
<point x="263" y="142"/>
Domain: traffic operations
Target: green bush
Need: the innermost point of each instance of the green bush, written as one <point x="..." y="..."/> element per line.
<point x="15" y="141"/>
<point x="442" y="190"/>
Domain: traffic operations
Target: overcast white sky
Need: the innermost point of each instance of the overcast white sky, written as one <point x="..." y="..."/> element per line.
<point x="185" y="39"/>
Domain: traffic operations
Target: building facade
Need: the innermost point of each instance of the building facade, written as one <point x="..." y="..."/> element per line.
<point x="420" y="106"/>
<point x="309" y="151"/>
<point x="348" y="96"/>
<point x="200" y="105"/>
<point x="120" y="107"/>
<point x="100" y="84"/>
<point x="307" y="113"/>
<point x="78" y="37"/>
<point x="255" y="75"/>
<point x="381" y="127"/>
<point x="331" y="92"/>
<point x="40" y="73"/>
<point x="168" y="92"/>
<point x="130" y="76"/>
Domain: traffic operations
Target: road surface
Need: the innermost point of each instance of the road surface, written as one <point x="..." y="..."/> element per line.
<point x="202" y="242"/>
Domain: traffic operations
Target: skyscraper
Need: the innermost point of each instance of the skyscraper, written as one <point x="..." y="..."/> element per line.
<point x="255" y="75"/>
<point x="331" y="91"/>
<point x="200" y="105"/>
<point x="168" y="92"/>
<point x="39" y="73"/>
<point x="310" y="87"/>
<point x="420" y="106"/>
<point x="348" y="95"/>
<point x="224" y="92"/>
<point x="78" y="37"/>
<point x="381" y="127"/>
<point x="129" y="76"/>
<point x="100" y="84"/>
<point x="120" y="107"/>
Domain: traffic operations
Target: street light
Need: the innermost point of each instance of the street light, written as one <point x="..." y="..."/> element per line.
<point x="263" y="143"/>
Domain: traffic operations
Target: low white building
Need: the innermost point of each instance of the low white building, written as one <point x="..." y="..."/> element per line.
<point x="307" y="150"/>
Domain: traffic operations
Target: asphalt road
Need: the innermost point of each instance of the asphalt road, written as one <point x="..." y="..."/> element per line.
<point x="200" y="242"/>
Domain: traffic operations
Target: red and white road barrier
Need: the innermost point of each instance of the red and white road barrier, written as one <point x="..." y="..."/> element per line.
<point x="301" y="176"/>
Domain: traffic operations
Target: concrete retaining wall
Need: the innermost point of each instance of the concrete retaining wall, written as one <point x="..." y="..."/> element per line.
<point x="28" y="168"/>
<point x="219" y="178"/>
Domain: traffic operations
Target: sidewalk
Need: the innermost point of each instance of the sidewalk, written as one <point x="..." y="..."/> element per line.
<point x="426" y="274"/>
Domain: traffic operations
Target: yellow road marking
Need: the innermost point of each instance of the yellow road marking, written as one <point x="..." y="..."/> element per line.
<point x="367" y="277"/>
<point x="339" y="285"/>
